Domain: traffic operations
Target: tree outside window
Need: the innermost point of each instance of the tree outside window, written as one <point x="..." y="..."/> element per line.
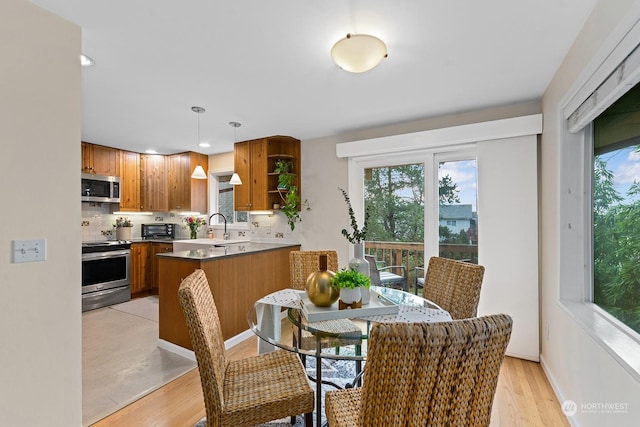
<point x="616" y="210"/>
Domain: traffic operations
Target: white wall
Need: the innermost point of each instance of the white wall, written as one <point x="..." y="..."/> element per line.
<point x="40" y="313"/>
<point x="508" y="237"/>
<point x="580" y="369"/>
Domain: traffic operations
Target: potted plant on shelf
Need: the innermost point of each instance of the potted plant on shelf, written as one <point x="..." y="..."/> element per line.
<point x="288" y="192"/>
<point x="356" y="237"/>
<point x="353" y="286"/>
<point x="285" y="177"/>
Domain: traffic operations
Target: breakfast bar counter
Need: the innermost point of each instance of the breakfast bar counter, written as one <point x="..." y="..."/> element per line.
<point x="239" y="274"/>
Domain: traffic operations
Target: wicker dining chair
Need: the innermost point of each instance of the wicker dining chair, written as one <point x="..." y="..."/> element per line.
<point x="453" y="285"/>
<point x="417" y="374"/>
<point x="243" y="392"/>
<point x="301" y="265"/>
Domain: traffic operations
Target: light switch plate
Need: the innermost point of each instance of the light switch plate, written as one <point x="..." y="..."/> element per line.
<point x="29" y="250"/>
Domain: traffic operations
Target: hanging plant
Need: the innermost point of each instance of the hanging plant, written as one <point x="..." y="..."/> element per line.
<point x="291" y="201"/>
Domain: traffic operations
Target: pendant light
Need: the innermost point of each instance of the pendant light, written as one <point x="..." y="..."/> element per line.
<point x="198" y="172"/>
<point x="235" y="178"/>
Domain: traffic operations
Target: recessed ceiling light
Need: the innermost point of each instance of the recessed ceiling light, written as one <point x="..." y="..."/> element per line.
<point x="86" y="61"/>
<point x="204" y="144"/>
<point x="151" y="151"/>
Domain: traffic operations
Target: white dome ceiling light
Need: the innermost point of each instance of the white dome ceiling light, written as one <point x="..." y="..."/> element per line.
<point x="358" y="53"/>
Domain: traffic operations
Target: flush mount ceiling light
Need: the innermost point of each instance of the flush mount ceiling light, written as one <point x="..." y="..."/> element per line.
<point x="198" y="172"/>
<point x="358" y="53"/>
<point x="86" y="61"/>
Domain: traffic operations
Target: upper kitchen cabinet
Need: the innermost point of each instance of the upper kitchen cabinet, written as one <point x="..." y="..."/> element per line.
<point x="254" y="162"/>
<point x="186" y="193"/>
<point x="100" y="160"/>
<point x="130" y="182"/>
<point x="154" y="183"/>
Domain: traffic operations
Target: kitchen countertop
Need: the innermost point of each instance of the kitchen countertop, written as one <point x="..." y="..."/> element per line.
<point x="152" y="240"/>
<point x="226" y="250"/>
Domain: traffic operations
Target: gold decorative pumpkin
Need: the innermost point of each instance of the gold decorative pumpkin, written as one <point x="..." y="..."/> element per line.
<point x="318" y="286"/>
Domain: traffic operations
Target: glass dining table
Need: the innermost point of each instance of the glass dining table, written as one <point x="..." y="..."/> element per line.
<point x="280" y="322"/>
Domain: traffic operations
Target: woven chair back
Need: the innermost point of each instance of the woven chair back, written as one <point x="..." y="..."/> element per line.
<point x="206" y="337"/>
<point x="454" y="286"/>
<point x="435" y="374"/>
<point x="303" y="263"/>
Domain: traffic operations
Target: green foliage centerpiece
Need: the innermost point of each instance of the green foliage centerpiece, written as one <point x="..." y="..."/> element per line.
<point x="352" y="285"/>
<point x="357" y="237"/>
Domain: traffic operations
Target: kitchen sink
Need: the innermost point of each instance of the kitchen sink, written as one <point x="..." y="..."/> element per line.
<point x="187" y="245"/>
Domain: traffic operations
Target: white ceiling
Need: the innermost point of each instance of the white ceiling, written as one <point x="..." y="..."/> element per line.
<point x="266" y="64"/>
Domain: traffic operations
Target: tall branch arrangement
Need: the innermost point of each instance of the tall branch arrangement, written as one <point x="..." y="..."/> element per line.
<point x="358" y="235"/>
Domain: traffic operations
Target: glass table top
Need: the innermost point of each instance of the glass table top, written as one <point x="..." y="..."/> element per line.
<point x="278" y="320"/>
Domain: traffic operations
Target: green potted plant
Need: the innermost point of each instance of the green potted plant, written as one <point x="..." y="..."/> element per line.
<point x="288" y="192"/>
<point x="285" y="177"/>
<point x="353" y="286"/>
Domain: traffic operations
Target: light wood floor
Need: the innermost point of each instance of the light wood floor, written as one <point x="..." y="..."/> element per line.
<point x="523" y="398"/>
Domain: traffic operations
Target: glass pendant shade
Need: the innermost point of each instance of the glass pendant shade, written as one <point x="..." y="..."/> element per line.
<point x="235" y="179"/>
<point x="198" y="173"/>
<point x="358" y="53"/>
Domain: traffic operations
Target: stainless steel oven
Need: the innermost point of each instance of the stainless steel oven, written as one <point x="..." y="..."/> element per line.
<point x="105" y="273"/>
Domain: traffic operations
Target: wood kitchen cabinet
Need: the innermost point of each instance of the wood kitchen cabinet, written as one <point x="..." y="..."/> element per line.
<point x="130" y="182"/>
<point x="186" y="193"/>
<point x="157" y="248"/>
<point x="154" y="183"/>
<point x="100" y="160"/>
<point x="141" y="276"/>
<point x="237" y="281"/>
<point x="254" y="162"/>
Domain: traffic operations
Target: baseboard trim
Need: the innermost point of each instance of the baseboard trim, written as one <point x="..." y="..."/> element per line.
<point x="556" y="390"/>
<point x="523" y="356"/>
<point x="238" y="339"/>
<point x="189" y="354"/>
<point x="174" y="348"/>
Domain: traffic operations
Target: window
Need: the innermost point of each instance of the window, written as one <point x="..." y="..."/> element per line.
<point x="458" y="218"/>
<point x="616" y="209"/>
<point x="222" y="200"/>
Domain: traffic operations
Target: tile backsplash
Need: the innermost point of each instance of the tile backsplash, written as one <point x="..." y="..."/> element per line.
<point x="97" y="224"/>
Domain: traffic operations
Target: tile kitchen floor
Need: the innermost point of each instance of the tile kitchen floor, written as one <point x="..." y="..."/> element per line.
<point x="120" y="358"/>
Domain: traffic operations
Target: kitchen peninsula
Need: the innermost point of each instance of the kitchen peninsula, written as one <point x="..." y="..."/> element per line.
<point x="239" y="274"/>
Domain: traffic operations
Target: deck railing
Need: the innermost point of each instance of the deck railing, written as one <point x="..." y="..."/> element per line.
<point x="411" y="254"/>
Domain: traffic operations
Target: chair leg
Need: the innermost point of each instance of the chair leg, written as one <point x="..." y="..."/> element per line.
<point x="308" y="419"/>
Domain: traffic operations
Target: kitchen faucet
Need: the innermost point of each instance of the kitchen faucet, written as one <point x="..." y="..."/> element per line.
<point x="225" y="236"/>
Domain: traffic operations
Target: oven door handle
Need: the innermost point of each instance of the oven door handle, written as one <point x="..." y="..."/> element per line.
<point x="105" y="255"/>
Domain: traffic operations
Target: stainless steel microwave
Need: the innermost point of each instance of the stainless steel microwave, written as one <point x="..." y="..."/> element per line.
<point x="100" y="188"/>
